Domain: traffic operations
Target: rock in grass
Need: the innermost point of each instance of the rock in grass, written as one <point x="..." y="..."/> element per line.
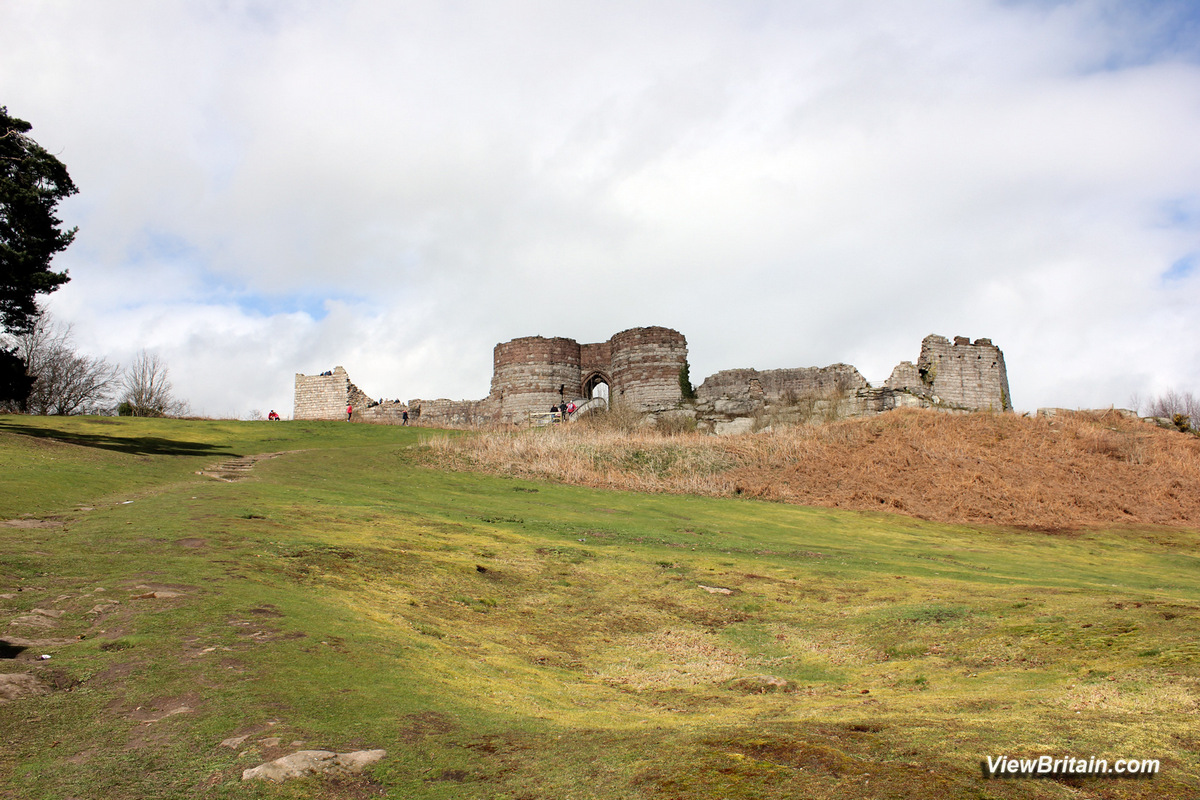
<point x="306" y="763"/>
<point x="17" y="685"/>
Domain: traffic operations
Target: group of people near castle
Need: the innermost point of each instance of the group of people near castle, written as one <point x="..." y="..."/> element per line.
<point x="563" y="411"/>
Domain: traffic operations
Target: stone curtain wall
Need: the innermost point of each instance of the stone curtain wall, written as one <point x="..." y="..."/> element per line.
<point x="958" y="377"/>
<point x="645" y="368"/>
<point x="443" y="413"/>
<point x="783" y="384"/>
<point x="326" y="396"/>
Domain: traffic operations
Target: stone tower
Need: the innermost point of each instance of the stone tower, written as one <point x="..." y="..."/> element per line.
<point x="965" y="374"/>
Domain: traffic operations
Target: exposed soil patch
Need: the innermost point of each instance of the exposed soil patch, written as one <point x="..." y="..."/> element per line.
<point x="236" y="469"/>
<point x="160" y="709"/>
<point x="16" y="685"/>
<point x="426" y="723"/>
<point x="32" y="523"/>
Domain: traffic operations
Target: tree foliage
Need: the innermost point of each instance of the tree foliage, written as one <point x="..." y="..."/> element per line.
<point x="32" y="182"/>
<point x="686" y="390"/>
<point x="15" y="381"/>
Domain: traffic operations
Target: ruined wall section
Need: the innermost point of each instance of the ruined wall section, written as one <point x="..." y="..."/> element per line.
<point x="960" y="377"/>
<point x="965" y="374"/>
<point x="326" y="396"/>
<point x="645" y="368"/>
<point x="528" y="372"/>
<point x="783" y="385"/>
<point x="444" y="413"/>
<point x="906" y="377"/>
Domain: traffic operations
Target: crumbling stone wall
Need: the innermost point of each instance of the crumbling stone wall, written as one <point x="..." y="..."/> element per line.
<point x="962" y="376"/>
<point x="326" y="396"/>
<point x="444" y="413"/>
<point x="783" y="385"/>
<point x="965" y="374"/>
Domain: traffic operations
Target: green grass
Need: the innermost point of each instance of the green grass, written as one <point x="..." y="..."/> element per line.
<point x="502" y="638"/>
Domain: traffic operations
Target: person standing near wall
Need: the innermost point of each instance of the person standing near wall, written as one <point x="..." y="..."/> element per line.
<point x="349" y="412"/>
<point x="404" y="418"/>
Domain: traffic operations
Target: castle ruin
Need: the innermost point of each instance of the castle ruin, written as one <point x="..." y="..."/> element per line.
<point x="640" y="369"/>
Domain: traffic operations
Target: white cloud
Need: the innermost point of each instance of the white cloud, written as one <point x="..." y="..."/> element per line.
<point x="269" y="188"/>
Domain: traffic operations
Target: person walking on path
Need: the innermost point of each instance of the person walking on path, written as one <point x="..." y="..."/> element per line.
<point x="349" y="412"/>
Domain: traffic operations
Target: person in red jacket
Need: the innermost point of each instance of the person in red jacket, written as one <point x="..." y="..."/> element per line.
<point x="349" y="412"/>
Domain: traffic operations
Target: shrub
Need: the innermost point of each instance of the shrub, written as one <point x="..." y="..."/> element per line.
<point x="1179" y="407"/>
<point x="686" y="390"/>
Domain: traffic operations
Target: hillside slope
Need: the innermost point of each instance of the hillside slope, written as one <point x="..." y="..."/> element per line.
<point x="177" y="607"/>
<point x="1072" y="471"/>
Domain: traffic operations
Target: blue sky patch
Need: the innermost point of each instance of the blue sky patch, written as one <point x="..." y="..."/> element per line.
<point x="1183" y="268"/>
<point x="314" y="305"/>
<point x="1182" y="212"/>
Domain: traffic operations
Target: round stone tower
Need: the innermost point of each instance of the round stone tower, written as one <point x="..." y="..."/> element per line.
<point x="645" y="368"/>
<point x="527" y="374"/>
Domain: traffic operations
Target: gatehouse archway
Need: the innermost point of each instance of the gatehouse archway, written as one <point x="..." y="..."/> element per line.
<point x="596" y="384"/>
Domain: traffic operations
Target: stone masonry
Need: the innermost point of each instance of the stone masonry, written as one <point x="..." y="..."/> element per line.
<point x="965" y="374"/>
<point x="782" y="384"/>
<point x="962" y="376"/>
<point x="641" y="368"/>
<point x="326" y="396"/>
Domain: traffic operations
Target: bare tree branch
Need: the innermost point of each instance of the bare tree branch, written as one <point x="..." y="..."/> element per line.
<point x="65" y="382"/>
<point x="148" y="390"/>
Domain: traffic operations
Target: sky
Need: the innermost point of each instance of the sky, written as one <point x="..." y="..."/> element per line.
<point x="271" y="188"/>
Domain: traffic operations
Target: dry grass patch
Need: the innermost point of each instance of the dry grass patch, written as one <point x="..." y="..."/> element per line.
<point x="1069" y="472"/>
<point x="672" y="659"/>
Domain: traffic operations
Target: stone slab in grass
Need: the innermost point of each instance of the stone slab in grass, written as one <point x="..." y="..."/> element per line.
<point x="306" y="763"/>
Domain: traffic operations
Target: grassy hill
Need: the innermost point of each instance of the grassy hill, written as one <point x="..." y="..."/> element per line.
<point x="504" y="637"/>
